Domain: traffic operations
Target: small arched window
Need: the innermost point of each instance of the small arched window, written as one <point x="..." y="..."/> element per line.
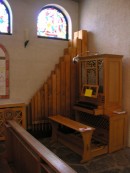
<point x="5" y="18"/>
<point x="52" y="23"/>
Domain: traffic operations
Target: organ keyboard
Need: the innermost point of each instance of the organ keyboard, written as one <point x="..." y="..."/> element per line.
<point x="87" y="107"/>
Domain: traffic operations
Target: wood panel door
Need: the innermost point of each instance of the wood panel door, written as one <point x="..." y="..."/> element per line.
<point x="117" y="132"/>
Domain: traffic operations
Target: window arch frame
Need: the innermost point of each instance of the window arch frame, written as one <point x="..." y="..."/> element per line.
<point x="5" y="57"/>
<point x="65" y="18"/>
<point x="9" y="11"/>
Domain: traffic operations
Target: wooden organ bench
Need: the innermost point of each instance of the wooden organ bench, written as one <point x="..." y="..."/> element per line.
<point x="84" y="137"/>
<point x="84" y="130"/>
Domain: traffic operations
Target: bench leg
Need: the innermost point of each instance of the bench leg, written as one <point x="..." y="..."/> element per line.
<point x="86" y="146"/>
<point x="54" y="131"/>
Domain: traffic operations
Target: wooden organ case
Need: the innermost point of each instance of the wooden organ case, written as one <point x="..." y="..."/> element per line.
<point x="100" y="95"/>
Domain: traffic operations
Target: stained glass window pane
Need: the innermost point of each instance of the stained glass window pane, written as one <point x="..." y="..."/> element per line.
<point x="52" y="23"/>
<point x="4" y="18"/>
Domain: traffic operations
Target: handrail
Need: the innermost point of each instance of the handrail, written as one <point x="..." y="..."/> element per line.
<point x="51" y="161"/>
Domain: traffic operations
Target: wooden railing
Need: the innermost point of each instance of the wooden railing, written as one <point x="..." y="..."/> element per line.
<point x="15" y="112"/>
<point x="30" y="156"/>
<point x="60" y="91"/>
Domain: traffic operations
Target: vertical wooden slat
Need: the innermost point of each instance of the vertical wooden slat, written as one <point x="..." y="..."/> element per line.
<point x="33" y="111"/>
<point x="77" y="44"/>
<point x="39" y="106"/>
<point x="70" y="43"/>
<point x="76" y="34"/>
<point x="67" y="78"/>
<point x="54" y="94"/>
<point x="65" y="51"/>
<point x="36" y="112"/>
<point x="58" y="89"/>
<point x="78" y="50"/>
<point x="74" y="83"/>
<point x="62" y="71"/>
<point x="33" y="108"/>
<point x="49" y="81"/>
<point x="36" y="106"/>
<point x="42" y="103"/>
<point x="29" y="117"/>
<point x="46" y="99"/>
<point x="83" y="37"/>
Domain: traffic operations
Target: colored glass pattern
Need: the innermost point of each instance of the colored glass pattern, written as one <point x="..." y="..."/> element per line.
<point x="4" y="18"/>
<point x="52" y="23"/>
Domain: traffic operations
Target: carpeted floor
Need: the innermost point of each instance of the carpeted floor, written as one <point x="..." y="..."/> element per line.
<point x="117" y="162"/>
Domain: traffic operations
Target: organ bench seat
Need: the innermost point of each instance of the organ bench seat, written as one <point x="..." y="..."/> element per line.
<point x="80" y="143"/>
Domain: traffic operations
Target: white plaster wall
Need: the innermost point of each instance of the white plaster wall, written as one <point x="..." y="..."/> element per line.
<point x="30" y="66"/>
<point x="108" y="25"/>
<point x="2" y="53"/>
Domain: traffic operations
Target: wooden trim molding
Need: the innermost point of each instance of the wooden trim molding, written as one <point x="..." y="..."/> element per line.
<point x="4" y="68"/>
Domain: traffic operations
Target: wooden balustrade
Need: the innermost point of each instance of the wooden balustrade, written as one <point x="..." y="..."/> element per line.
<point x="30" y="156"/>
<point x="15" y="112"/>
<point x="60" y="91"/>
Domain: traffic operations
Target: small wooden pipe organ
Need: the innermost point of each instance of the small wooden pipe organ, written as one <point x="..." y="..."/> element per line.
<point x="99" y="106"/>
<point x="92" y="102"/>
<point x="100" y="101"/>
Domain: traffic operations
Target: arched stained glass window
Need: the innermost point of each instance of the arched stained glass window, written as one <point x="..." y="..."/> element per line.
<point x="52" y="23"/>
<point x="5" y="27"/>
